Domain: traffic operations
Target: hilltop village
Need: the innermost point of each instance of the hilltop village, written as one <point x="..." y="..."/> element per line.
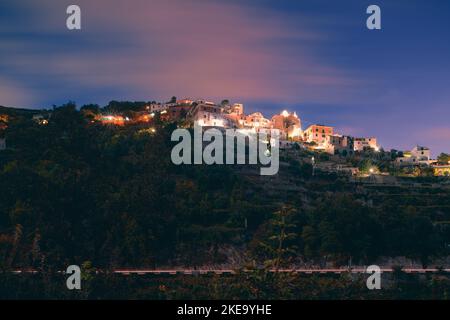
<point x="317" y="139"/>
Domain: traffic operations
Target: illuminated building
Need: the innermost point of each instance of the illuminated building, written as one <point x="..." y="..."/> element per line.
<point x="441" y="170"/>
<point x="256" y="120"/>
<point x="421" y="153"/>
<point x="187" y="102"/>
<point x="112" y="120"/>
<point x="207" y="114"/>
<point x="256" y="123"/>
<point x="417" y="156"/>
<point x="339" y="144"/>
<point x="361" y="144"/>
<point x="318" y="134"/>
<point x="40" y="119"/>
<point x="156" y="107"/>
<point x="235" y="114"/>
<point x="289" y="125"/>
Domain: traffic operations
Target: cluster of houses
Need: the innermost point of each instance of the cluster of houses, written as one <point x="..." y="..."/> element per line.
<point x="315" y="137"/>
<point x="204" y="113"/>
<point x="421" y="156"/>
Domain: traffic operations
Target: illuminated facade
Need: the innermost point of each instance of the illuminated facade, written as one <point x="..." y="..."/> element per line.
<point x="417" y="156"/>
<point x="156" y="107"/>
<point x="235" y="114"/>
<point x="421" y="153"/>
<point x="289" y="124"/>
<point x="337" y="143"/>
<point x="208" y="114"/>
<point x="187" y="102"/>
<point x="256" y="120"/>
<point x="442" y="170"/>
<point x="361" y="144"/>
<point x="318" y="134"/>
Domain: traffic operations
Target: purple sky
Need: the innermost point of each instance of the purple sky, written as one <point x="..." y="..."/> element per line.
<point x="312" y="56"/>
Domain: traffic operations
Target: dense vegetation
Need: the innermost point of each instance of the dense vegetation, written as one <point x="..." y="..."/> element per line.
<point x="72" y="191"/>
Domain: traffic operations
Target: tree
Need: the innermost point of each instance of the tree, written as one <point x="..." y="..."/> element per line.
<point x="444" y="158"/>
<point x="279" y="244"/>
<point x="342" y="228"/>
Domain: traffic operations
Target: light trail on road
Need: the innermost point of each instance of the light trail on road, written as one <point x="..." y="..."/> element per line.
<point x="172" y="272"/>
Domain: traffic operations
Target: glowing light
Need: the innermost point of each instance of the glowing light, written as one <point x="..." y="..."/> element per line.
<point x="285" y="113"/>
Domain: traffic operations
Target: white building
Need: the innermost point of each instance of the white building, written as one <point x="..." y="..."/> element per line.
<point x="361" y="144"/>
<point x="257" y="121"/>
<point x="209" y="115"/>
<point x="337" y="143"/>
<point x="157" y="107"/>
<point x="421" y="153"/>
<point x="417" y="156"/>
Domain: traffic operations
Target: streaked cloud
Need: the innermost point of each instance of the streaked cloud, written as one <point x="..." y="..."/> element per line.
<point x="189" y="48"/>
<point x="14" y="95"/>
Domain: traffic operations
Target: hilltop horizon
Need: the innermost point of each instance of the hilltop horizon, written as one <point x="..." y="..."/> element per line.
<point x="306" y="123"/>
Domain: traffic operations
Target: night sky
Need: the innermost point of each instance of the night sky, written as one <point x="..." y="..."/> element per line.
<point x="314" y="57"/>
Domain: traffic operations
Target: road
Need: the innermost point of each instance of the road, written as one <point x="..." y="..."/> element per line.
<point x="127" y="272"/>
<point x="230" y="271"/>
